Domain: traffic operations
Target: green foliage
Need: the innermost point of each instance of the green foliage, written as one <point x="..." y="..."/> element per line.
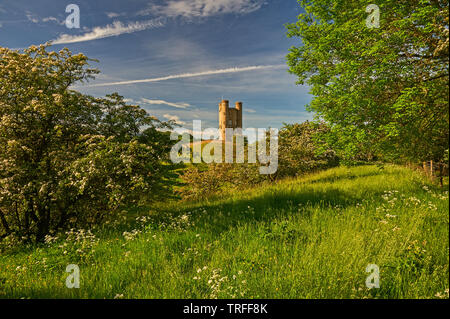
<point x="308" y="237"/>
<point x="67" y="159"/>
<point x="301" y="150"/>
<point x="382" y="90"/>
<point x="203" y="181"/>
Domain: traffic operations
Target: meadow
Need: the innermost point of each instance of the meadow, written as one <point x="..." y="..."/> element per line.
<point x="307" y="237"/>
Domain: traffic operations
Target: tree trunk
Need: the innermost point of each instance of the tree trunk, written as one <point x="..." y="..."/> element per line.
<point x="43" y="224"/>
<point x="431" y="169"/>
<point x="4" y="223"/>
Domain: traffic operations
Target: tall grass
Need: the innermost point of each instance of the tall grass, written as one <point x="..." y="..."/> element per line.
<point x="311" y="237"/>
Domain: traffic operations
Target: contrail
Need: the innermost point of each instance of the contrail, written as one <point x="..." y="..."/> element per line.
<point x="111" y="30"/>
<point x="191" y="75"/>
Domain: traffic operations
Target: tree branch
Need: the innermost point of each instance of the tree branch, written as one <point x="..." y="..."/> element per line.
<point x="4" y="222"/>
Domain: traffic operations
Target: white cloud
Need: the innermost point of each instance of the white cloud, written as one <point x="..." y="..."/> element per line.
<point x="249" y="110"/>
<point x="191" y="75"/>
<point x="110" y="30"/>
<point x="112" y="14"/>
<point x="35" y="19"/>
<point x="179" y="105"/>
<point x="202" y="8"/>
<point x="172" y="8"/>
<point x="47" y="19"/>
<point x="174" y="118"/>
<point x="55" y="20"/>
<point x="32" y="18"/>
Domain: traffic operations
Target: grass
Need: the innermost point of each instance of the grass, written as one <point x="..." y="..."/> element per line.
<point x="311" y="237"/>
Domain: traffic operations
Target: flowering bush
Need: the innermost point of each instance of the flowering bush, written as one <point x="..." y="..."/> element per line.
<point x="68" y="159"/>
<point x="300" y="150"/>
<point x="203" y="181"/>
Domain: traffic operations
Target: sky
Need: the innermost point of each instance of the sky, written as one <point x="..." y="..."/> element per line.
<point x="176" y="58"/>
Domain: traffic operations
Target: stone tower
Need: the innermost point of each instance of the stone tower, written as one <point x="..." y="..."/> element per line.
<point x="229" y="117"/>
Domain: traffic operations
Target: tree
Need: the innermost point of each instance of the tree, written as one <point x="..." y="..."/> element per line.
<point x="384" y="90"/>
<point x="300" y="150"/>
<point x="66" y="158"/>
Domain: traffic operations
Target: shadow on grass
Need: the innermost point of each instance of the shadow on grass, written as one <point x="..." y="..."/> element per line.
<point x="223" y="214"/>
<point x="273" y="204"/>
<point x="350" y="176"/>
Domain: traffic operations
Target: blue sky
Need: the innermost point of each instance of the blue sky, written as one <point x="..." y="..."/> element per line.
<point x="176" y="58"/>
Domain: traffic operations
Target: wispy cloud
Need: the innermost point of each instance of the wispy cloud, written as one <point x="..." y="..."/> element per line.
<point x="52" y="19"/>
<point x="202" y="8"/>
<point x="178" y="105"/>
<point x="174" y="118"/>
<point x="35" y="19"/>
<point x="171" y="9"/>
<point x="110" y="30"/>
<point x="32" y="18"/>
<point x="191" y="75"/>
<point x="113" y="14"/>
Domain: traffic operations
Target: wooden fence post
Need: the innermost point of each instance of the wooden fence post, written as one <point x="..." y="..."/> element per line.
<point x="431" y="168"/>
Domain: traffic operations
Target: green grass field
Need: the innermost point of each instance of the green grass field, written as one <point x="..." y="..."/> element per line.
<point x="311" y="237"/>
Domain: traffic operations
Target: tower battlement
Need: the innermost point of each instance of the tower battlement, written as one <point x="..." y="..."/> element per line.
<point x="229" y="117"/>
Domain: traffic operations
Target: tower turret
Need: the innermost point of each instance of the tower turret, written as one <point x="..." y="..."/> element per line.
<point x="239" y="114"/>
<point x="223" y="117"/>
<point x="229" y="117"/>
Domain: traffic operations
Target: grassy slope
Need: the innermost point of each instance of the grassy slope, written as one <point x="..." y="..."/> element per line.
<point x="306" y="238"/>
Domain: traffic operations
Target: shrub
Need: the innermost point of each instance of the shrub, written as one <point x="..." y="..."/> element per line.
<point x="67" y="159"/>
<point x="203" y="181"/>
<point x="300" y="150"/>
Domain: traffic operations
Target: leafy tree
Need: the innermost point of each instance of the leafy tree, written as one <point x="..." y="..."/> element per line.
<point x="301" y="151"/>
<point x="206" y="180"/>
<point x="382" y="90"/>
<point x="68" y="158"/>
